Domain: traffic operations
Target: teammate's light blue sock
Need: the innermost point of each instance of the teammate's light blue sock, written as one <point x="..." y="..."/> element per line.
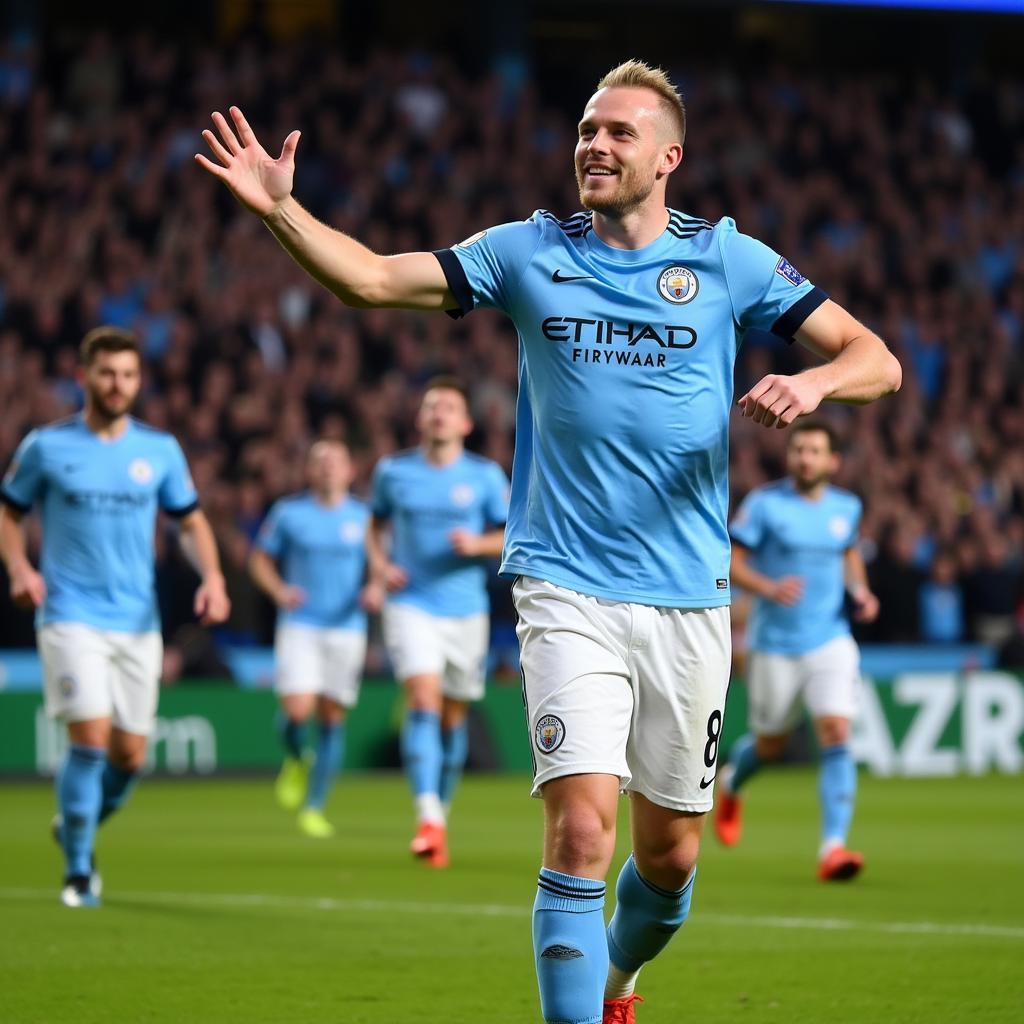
<point x="329" y="748"/>
<point x="570" y="948"/>
<point x="117" y="785"/>
<point x="646" y="917"/>
<point x="837" y="787"/>
<point x="421" y="750"/>
<point x="79" y="790"/>
<point x="293" y="736"/>
<point x="744" y="761"/>
<point x="454" y="748"/>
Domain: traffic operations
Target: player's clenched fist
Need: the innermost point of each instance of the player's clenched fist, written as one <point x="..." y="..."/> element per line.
<point x="28" y="589"/>
<point x="777" y="400"/>
<point x="258" y="181"/>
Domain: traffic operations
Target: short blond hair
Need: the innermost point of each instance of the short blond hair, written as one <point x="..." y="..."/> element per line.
<point x="635" y="74"/>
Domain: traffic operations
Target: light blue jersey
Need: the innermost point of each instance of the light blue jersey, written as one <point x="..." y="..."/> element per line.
<point x="789" y="535"/>
<point x="321" y="549"/>
<point x="619" y="486"/>
<point x="99" y="504"/>
<point x="424" y="503"/>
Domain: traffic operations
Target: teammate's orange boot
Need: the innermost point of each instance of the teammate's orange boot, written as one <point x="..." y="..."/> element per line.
<point x="840" y="865"/>
<point x="620" y="1011"/>
<point x="728" y="817"/>
<point x="430" y="844"/>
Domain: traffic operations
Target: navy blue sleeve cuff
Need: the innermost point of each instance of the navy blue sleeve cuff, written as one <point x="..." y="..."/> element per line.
<point x="14" y="503"/>
<point x="789" y="323"/>
<point x="180" y="513"/>
<point x="457" y="281"/>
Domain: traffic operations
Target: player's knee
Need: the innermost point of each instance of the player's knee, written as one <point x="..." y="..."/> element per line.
<point x="580" y="839"/>
<point x="771" y="748"/>
<point x="671" y="866"/>
<point x="130" y="760"/>
<point x="832" y="731"/>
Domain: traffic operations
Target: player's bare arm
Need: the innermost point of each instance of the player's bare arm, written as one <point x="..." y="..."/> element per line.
<point x="359" y="277"/>
<point x="212" y="604"/>
<point x="264" y="574"/>
<point x="383" y="572"/>
<point x="859" y="369"/>
<point x="865" y="603"/>
<point x="28" y="589"/>
<point x="478" y="545"/>
<point x="785" y="590"/>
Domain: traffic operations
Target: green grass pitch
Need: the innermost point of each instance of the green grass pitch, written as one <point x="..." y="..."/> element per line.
<point x="217" y="910"/>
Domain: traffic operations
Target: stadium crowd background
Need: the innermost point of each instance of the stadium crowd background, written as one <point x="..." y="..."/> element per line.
<point x="901" y="195"/>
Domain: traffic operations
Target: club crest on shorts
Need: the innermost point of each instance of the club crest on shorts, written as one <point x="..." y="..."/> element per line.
<point x="140" y="471"/>
<point x="66" y="685"/>
<point x="549" y="733"/>
<point x="678" y="285"/>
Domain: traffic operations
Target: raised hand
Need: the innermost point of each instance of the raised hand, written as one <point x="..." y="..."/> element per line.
<point x="258" y="181"/>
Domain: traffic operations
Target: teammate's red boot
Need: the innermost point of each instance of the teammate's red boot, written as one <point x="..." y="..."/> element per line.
<point x="840" y="865"/>
<point x="430" y="844"/>
<point x="728" y="817"/>
<point x="620" y="1011"/>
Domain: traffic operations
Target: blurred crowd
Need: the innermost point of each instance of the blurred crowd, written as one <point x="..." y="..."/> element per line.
<point x="902" y="197"/>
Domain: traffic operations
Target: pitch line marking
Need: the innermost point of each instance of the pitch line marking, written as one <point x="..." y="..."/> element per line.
<point x="331" y="903"/>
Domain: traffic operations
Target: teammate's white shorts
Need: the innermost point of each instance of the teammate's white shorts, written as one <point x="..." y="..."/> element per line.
<point x="825" y="680"/>
<point x="455" y="649"/>
<point x="97" y="673"/>
<point x="315" y="659"/>
<point x="624" y="689"/>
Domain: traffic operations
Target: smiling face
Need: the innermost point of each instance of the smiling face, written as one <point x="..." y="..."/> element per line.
<point x="627" y="147"/>
<point x="111" y="382"/>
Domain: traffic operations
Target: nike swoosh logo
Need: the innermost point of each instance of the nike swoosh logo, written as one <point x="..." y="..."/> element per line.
<point x="559" y="279"/>
<point x="704" y="783"/>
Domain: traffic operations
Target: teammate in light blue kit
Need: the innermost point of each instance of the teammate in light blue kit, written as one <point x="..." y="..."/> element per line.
<point x="100" y="478"/>
<point x="310" y="560"/>
<point x="794" y="548"/>
<point x="629" y="317"/>
<point x="445" y="510"/>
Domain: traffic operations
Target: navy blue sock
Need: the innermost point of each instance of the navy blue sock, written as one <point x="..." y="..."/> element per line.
<point x="293" y="736"/>
<point x="744" y="761"/>
<point x="645" y="919"/>
<point x="117" y="785"/>
<point x="329" y="749"/>
<point x="79" y="790"/>
<point x="570" y="947"/>
<point x="454" y="748"/>
<point x="837" y="787"/>
<point x="421" y="751"/>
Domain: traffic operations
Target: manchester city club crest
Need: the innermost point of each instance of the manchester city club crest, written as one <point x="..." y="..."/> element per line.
<point x="140" y="471"/>
<point x="678" y="285"/>
<point x="351" y="533"/>
<point x="462" y="495"/>
<point x="549" y="733"/>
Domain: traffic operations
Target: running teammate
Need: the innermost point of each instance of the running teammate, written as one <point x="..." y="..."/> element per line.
<point x="794" y="546"/>
<point x="100" y="477"/>
<point x="310" y="560"/>
<point x="445" y="510"/>
<point x="629" y="316"/>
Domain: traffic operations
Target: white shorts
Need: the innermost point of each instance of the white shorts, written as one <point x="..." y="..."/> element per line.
<point x="825" y="680"/>
<point x="624" y="689"/>
<point x="96" y="673"/>
<point x="419" y="643"/>
<point x="314" y="659"/>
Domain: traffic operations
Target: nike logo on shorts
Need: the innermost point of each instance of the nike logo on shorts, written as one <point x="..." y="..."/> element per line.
<point x="559" y="279"/>
<point x="704" y="783"/>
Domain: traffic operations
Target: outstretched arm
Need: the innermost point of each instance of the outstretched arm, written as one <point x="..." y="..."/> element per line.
<point x="859" y="369"/>
<point x="356" y="275"/>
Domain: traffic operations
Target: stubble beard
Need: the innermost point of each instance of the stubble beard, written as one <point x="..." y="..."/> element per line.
<point x="632" y="192"/>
